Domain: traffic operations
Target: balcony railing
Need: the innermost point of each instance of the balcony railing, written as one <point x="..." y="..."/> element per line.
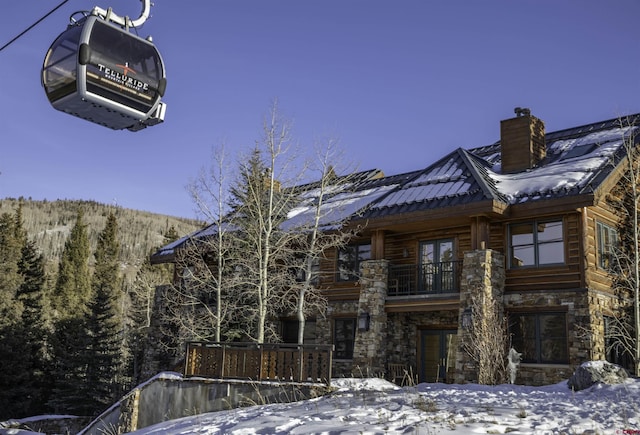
<point x="260" y="362"/>
<point x="424" y="279"/>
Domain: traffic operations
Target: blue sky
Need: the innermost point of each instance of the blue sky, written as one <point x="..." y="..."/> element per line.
<point x="400" y="83"/>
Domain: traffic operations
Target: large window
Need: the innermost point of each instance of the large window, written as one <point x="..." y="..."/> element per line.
<point x="607" y="243"/>
<point x="540" y="337"/>
<point x="536" y="243"/>
<point x="344" y="334"/>
<point x="349" y="259"/>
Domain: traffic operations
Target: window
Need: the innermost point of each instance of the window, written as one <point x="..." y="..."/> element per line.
<point x="607" y="242"/>
<point x="536" y="244"/>
<point x="349" y="259"/>
<point x="540" y="337"/>
<point x="289" y="331"/>
<point x="344" y="334"/>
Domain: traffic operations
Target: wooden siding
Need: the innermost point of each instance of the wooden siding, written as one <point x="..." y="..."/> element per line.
<point x="403" y="248"/>
<point x="580" y="270"/>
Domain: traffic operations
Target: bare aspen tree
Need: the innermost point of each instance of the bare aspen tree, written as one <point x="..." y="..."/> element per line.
<point x="209" y="192"/>
<point x="320" y="225"/>
<point x="200" y="305"/>
<point x="623" y="333"/>
<point x="260" y="206"/>
<point x="257" y="259"/>
<point x="488" y="340"/>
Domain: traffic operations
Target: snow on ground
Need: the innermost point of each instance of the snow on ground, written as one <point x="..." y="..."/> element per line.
<point x="375" y="406"/>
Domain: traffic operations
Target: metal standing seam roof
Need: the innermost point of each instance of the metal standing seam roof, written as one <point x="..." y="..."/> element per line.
<point x="457" y="178"/>
<point x="346" y="197"/>
<point x="577" y="161"/>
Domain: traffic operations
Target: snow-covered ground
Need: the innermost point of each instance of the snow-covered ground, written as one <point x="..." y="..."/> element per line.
<point x="375" y="406"/>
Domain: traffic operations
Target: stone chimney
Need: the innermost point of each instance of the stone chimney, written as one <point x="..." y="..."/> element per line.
<point x="522" y="141"/>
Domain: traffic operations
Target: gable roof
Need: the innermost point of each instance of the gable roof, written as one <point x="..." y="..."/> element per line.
<point x="577" y="161"/>
<point x="457" y="178"/>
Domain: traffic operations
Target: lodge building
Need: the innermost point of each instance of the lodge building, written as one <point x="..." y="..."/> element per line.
<point x="524" y="221"/>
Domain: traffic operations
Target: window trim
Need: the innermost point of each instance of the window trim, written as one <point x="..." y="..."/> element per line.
<point x="536" y="244"/>
<point x="601" y="253"/>
<point x="539" y="336"/>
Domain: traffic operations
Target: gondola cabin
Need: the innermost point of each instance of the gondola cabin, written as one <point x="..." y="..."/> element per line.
<point x="99" y="72"/>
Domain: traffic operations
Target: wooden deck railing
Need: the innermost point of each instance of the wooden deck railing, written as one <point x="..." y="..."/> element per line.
<point x="259" y="362"/>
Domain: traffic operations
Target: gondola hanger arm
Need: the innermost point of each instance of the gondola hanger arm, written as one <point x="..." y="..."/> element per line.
<point x="125" y="22"/>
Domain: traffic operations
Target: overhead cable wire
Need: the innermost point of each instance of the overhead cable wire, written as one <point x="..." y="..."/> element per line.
<point x="33" y="25"/>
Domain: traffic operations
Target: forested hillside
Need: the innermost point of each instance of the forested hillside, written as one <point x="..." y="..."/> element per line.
<point x="48" y="224"/>
<point x="76" y="303"/>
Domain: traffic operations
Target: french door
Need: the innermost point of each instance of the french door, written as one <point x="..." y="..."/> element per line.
<point x="436" y="270"/>
<point x="437" y="354"/>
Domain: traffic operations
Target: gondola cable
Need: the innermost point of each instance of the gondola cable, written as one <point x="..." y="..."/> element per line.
<point x="33" y="25"/>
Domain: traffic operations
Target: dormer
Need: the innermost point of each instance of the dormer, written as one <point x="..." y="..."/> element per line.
<point x="522" y="142"/>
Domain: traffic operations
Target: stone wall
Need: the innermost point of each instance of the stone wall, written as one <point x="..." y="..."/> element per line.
<point x="574" y="303"/>
<point x="395" y="337"/>
<point x="369" y="352"/>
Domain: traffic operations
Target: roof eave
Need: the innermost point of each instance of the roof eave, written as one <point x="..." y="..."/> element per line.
<point x="162" y="258"/>
<point x="551" y="205"/>
<point x="491" y="207"/>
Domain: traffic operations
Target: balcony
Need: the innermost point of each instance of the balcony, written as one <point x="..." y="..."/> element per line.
<point x="424" y="279"/>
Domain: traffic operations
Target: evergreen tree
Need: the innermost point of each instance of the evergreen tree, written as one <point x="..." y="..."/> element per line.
<point x="11" y="371"/>
<point x="10" y="279"/>
<point x="32" y="331"/>
<point x="73" y="286"/>
<point x="171" y="235"/>
<point x="104" y="368"/>
<point x="69" y="343"/>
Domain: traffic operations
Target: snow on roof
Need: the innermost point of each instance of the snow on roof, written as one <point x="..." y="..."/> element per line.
<point x="575" y="164"/>
<point x="335" y="209"/>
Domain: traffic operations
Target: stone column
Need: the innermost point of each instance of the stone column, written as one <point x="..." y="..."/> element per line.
<point x="483" y="278"/>
<point x="369" y="349"/>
